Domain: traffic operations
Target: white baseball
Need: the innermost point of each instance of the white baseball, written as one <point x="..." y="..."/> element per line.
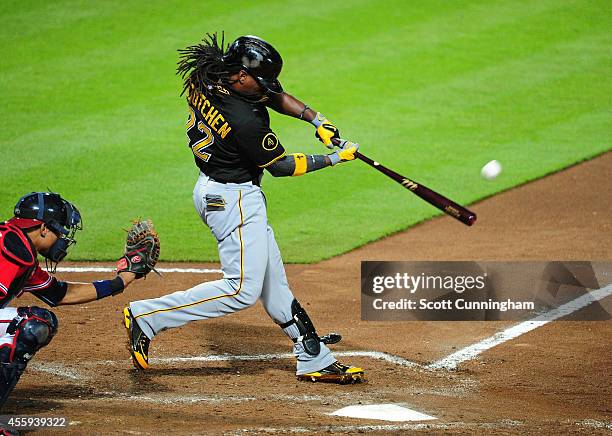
<point x="491" y="170"/>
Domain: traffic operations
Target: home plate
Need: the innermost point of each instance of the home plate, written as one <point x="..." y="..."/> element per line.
<point x="386" y="412"/>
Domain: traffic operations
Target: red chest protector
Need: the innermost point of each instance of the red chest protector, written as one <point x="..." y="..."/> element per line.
<point x="17" y="262"/>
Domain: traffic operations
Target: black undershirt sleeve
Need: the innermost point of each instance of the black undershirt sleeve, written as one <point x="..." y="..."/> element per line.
<point x="53" y="294"/>
<point x="297" y="164"/>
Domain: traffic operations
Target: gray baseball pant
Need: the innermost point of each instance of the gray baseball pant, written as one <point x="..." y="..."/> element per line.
<point x="251" y="264"/>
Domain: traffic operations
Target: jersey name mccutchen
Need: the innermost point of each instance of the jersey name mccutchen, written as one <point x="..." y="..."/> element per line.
<point x="229" y="136"/>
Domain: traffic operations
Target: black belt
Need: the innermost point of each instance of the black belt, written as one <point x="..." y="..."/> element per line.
<point x="256" y="181"/>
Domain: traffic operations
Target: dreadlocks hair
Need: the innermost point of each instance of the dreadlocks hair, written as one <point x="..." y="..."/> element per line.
<point x="202" y="64"/>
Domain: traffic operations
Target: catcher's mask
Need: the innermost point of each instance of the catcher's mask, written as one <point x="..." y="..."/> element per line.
<point x="59" y="215"/>
<point x="258" y="58"/>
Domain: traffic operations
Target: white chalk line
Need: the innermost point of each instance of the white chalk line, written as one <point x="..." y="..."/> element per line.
<point x="470" y="352"/>
<point x="87" y="269"/>
<point x="182" y="398"/>
<point x="381" y="428"/>
<point x="177" y="399"/>
<point x="72" y="374"/>
<point x="593" y="423"/>
<point x="397" y="360"/>
<point x="56" y="369"/>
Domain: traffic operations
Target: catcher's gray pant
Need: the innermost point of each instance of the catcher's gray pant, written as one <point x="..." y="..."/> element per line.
<point x="252" y="269"/>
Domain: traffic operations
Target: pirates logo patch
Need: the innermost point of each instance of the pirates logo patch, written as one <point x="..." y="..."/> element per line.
<point x="269" y="142"/>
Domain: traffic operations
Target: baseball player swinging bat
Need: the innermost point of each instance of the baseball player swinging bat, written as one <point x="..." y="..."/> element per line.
<point x="446" y="205"/>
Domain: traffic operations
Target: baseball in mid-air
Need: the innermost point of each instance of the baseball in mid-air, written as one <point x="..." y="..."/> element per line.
<point x="491" y="170"/>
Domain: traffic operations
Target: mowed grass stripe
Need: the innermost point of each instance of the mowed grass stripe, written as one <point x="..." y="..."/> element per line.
<point x="124" y="45"/>
<point x="118" y="47"/>
<point x="97" y="56"/>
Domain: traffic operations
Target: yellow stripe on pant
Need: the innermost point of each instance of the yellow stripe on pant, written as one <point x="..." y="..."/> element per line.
<point x="195" y="303"/>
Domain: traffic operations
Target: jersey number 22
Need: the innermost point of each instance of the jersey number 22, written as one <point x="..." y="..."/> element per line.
<point x="199" y="146"/>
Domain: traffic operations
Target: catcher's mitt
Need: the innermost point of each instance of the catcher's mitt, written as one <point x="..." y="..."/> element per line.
<point x="141" y="249"/>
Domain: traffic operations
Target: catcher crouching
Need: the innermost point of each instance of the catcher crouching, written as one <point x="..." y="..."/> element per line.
<point x="44" y="223"/>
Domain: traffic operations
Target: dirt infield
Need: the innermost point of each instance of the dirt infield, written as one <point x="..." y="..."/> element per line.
<point x="556" y="378"/>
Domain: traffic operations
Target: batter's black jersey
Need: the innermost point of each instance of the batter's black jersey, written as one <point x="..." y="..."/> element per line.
<point x="229" y="136"/>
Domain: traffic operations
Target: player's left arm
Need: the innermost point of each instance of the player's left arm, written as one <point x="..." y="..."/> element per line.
<point x="140" y="256"/>
<point x="141" y="253"/>
<point x="58" y="293"/>
<point x="287" y="104"/>
<point x="297" y="164"/>
<point x="77" y="293"/>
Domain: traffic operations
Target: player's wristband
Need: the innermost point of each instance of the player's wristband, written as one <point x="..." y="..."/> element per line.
<point x="317" y="161"/>
<point x="334" y="158"/>
<point x="318" y="120"/>
<point x="305" y="164"/>
<point x="106" y="288"/>
<point x="306" y="107"/>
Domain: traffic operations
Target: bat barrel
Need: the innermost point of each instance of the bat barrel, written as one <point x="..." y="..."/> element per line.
<point x="441" y="202"/>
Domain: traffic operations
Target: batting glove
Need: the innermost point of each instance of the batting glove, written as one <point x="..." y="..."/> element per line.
<point x="326" y="131"/>
<point x="347" y="152"/>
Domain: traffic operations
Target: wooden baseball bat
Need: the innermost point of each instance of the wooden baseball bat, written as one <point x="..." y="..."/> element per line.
<point x="446" y="205"/>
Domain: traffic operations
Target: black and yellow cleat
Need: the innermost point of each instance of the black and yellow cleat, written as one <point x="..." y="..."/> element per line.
<point x="138" y="343"/>
<point x="336" y="373"/>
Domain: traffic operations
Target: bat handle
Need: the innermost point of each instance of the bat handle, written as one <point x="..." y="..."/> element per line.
<point x="358" y="155"/>
<point x="337" y="142"/>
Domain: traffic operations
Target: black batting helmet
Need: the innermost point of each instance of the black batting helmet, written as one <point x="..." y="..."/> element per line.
<point x="258" y="58"/>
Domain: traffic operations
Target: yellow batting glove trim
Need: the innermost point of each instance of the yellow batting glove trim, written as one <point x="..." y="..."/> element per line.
<point x="325" y="135"/>
<point x="347" y="154"/>
<point x="301" y="164"/>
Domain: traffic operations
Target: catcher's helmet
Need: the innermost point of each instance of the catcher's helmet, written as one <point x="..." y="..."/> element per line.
<point x="59" y="215"/>
<point x="258" y="58"/>
<point x="50" y="208"/>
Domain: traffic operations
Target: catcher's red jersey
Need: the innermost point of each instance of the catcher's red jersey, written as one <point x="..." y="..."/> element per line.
<point x="19" y="269"/>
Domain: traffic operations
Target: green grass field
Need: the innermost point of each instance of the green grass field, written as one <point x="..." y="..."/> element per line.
<point x="91" y="108"/>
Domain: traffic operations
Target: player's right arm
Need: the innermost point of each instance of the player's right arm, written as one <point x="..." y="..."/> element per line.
<point x="287" y="104"/>
<point x="298" y="164"/>
<point x="263" y="148"/>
